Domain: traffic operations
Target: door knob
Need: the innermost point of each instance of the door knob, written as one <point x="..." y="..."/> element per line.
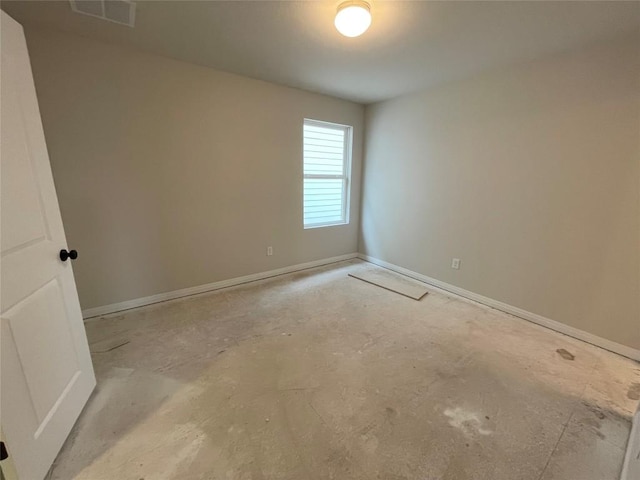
<point x="72" y="254"/>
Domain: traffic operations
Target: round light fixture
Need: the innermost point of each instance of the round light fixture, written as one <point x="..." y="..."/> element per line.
<point x="353" y="18"/>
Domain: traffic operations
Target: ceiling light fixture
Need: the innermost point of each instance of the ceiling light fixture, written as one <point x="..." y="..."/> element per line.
<point x="353" y="18"/>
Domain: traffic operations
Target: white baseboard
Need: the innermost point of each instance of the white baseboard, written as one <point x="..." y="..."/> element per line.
<point x="185" y="292"/>
<point x="518" y="312"/>
<point x="631" y="466"/>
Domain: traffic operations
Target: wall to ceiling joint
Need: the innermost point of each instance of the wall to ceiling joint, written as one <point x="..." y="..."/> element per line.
<point x="172" y="175"/>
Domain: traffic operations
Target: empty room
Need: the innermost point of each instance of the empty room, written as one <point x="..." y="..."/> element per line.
<point x="323" y="239"/>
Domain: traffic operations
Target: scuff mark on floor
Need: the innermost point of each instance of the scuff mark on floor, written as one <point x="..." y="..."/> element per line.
<point x="566" y="354"/>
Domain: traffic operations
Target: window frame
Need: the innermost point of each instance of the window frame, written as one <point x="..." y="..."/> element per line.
<point x="345" y="177"/>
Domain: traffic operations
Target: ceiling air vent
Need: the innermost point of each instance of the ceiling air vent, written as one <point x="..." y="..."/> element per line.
<point x="117" y="11"/>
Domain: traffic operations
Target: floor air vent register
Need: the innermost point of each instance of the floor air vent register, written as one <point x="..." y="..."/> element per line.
<point x="117" y="11"/>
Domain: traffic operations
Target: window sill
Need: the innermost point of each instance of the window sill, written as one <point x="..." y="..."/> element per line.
<point x="311" y="227"/>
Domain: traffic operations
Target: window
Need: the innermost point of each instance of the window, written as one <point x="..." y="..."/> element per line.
<point x="327" y="163"/>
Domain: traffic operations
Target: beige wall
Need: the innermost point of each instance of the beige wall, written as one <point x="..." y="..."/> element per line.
<point x="530" y="175"/>
<point x="171" y="175"/>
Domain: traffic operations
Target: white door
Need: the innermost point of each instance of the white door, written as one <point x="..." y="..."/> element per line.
<point x="46" y="373"/>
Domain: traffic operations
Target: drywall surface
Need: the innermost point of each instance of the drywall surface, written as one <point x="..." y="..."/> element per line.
<point x="171" y="175"/>
<point x="530" y="175"/>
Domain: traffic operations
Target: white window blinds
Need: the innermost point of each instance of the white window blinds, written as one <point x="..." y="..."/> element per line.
<point x="327" y="152"/>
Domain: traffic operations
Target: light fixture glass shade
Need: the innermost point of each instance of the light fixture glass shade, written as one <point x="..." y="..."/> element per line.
<point x="353" y="18"/>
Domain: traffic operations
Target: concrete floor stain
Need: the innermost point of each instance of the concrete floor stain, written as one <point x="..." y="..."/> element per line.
<point x="340" y="391"/>
<point x="566" y="354"/>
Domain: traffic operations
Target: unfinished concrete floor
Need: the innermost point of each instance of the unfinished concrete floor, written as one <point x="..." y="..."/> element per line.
<point x="317" y="375"/>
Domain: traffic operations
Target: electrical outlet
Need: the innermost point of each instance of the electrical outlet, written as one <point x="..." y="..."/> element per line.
<point x="455" y="263"/>
<point x="269" y="251"/>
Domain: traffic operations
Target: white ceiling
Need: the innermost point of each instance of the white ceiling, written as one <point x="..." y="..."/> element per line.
<point x="410" y="45"/>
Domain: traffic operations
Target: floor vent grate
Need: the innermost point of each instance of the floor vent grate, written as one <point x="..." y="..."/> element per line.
<point x="122" y="12"/>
